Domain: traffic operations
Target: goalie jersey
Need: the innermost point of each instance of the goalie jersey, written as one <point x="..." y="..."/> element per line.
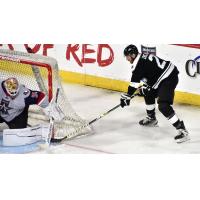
<point x="151" y="68"/>
<point x="12" y="107"/>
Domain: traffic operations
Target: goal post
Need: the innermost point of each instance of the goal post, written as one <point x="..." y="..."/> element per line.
<point x="38" y="72"/>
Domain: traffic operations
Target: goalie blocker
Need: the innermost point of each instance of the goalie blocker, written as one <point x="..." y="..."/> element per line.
<point x="54" y="111"/>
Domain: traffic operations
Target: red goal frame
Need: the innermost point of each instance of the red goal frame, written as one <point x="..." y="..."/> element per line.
<point x="38" y="64"/>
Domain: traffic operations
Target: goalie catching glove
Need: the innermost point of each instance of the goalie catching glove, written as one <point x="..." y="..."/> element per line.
<point x="125" y="100"/>
<point x="54" y="111"/>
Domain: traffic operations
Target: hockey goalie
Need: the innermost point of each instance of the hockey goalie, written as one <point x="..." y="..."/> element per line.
<point x="15" y="99"/>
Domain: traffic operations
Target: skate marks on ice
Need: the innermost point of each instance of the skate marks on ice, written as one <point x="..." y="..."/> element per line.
<point x="119" y="132"/>
<point x="70" y="148"/>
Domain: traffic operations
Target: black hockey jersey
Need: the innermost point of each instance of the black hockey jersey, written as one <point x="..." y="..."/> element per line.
<point x="151" y="68"/>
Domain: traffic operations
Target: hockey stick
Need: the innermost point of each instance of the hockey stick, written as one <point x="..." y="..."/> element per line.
<point x="51" y="120"/>
<point x="54" y="140"/>
<point x="51" y="127"/>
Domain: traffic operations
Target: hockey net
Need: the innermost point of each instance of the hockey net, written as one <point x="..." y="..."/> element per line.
<point x="41" y="73"/>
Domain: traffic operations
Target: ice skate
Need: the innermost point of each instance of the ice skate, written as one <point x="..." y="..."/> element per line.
<point x="182" y="134"/>
<point x="149" y="121"/>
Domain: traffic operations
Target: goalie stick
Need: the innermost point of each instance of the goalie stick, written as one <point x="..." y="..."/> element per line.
<point x="58" y="140"/>
<point x="51" y="120"/>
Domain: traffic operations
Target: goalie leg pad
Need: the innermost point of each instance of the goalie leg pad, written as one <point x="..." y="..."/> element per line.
<point x="19" y="137"/>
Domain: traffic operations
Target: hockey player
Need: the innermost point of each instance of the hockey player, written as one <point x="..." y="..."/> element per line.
<point x="15" y="100"/>
<point x="161" y="80"/>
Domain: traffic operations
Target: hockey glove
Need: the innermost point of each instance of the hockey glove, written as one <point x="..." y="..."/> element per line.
<point x="125" y="100"/>
<point x="144" y="90"/>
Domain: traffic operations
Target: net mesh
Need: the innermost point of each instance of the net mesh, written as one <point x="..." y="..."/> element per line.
<point x="41" y="73"/>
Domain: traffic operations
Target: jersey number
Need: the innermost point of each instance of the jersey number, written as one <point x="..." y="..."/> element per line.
<point x="160" y="63"/>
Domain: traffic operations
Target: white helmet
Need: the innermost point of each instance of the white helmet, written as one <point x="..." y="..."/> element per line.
<point x="12" y="86"/>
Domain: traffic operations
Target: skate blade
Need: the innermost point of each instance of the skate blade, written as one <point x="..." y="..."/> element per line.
<point x="185" y="139"/>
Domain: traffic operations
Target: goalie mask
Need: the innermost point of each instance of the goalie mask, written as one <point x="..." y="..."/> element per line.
<point x="11" y="86"/>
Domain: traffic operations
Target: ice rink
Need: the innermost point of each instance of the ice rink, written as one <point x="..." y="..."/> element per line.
<point x="119" y="131"/>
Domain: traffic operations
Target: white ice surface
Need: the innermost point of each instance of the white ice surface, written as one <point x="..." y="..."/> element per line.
<point x="119" y="132"/>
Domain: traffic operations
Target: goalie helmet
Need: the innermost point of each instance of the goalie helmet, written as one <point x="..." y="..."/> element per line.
<point x="130" y="50"/>
<point x="11" y="86"/>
